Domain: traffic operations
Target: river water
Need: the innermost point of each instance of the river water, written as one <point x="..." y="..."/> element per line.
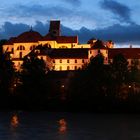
<point x="68" y="126"/>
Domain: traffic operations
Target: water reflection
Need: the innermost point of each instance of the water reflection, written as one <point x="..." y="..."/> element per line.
<point x="62" y="126"/>
<point x="14" y="121"/>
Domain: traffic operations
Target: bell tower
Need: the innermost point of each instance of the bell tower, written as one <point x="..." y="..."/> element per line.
<point x="54" y="29"/>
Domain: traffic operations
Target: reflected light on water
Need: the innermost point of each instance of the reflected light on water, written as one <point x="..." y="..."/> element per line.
<point x="62" y="126"/>
<point x="14" y="121"/>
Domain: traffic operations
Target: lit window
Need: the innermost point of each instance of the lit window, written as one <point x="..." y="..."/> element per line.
<point x="68" y="61"/>
<point x="21" y="48"/>
<point x="60" y="60"/>
<point x="75" y="60"/>
<point x="68" y="67"/>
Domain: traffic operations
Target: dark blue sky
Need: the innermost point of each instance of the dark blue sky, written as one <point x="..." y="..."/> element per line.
<point x="117" y="20"/>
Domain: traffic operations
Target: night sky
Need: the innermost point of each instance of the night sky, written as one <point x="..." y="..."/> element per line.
<point x="116" y="20"/>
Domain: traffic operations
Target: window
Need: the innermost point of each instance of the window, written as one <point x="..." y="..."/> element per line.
<point x="21" y="48"/>
<point x="41" y="57"/>
<point x="12" y="50"/>
<point x="83" y="61"/>
<point x="75" y="60"/>
<point x="60" y="67"/>
<point x="90" y="52"/>
<point x="32" y="47"/>
<point x="75" y="67"/>
<point x="68" y="67"/>
<point x="68" y="61"/>
<point x="60" y="60"/>
<point x="20" y="54"/>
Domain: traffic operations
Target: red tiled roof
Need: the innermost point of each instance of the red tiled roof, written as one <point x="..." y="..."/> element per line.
<point x="10" y="41"/>
<point x="30" y="36"/>
<point x="129" y="53"/>
<point x="48" y="37"/>
<point x="67" y="39"/>
<point x="69" y="53"/>
<point x="61" y="39"/>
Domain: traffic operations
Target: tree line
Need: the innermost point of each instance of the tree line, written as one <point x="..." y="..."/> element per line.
<point x="97" y="87"/>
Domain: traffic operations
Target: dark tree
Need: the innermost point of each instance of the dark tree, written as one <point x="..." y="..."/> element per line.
<point x="119" y="77"/>
<point x="7" y="77"/>
<point x="33" y="78"/>
<point x="88" y="87"/>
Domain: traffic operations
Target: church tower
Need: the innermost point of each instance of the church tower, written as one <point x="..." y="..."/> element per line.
<point x="54" y="29"/>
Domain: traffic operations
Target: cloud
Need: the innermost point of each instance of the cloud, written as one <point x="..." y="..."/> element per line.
<point x="69" y="16"/>
<point x="73" y="2"/>
<point x="122" y="12"/>
<point x="118" y="33"/>
<point x="38" y="10"/>
<point x="10" y="30"/>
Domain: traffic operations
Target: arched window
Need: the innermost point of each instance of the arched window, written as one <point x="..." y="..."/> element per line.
<point x="21" y="48"/>
<point x="32" y="47"/>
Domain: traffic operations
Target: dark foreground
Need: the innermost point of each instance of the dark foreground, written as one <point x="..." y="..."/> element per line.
<point x="100" y="105"/>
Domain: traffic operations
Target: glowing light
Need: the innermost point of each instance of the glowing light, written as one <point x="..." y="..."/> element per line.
<point x="62" y="125"/>
<point x="62" y="86"/>
<point x="14" y="121"/>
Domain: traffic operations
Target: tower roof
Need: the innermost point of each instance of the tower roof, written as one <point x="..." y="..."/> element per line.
<point x="54" y="24"/>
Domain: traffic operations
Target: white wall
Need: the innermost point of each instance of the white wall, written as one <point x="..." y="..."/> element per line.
<point x="64" y="65"/>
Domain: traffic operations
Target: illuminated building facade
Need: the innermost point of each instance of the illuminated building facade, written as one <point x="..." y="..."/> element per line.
<point x="62" y="53"/>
